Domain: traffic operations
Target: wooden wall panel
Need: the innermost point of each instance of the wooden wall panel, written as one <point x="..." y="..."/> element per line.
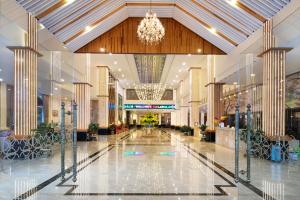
<point x="123" y="39"/>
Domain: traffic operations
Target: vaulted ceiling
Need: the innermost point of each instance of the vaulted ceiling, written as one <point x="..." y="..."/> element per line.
<point x="224" y="23"/>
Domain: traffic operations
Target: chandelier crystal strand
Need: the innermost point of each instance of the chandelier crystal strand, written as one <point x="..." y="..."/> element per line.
<point x="150" y="91"/>
<point x="150" y="30"/>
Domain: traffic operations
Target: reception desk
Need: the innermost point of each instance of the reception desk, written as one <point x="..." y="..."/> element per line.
<point x="225" y="137"/>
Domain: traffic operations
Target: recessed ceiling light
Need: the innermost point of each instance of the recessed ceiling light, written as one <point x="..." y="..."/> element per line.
<point x="234" y="83"/>
<point x="69" y="2"/>
<point x="0" y="70"/>
<point x="56" y="88"/>
<point x="176" y="76"/>
<point x="115" y="62"/>
<point x="199" y="50"/>
<point x="123" y="75"/>
<point x="184" y="63"/>
<point x="1" y="79"/>
<point x="62" y="80"/>
<point x="119" y="69"/>
<point x="51" y="94"/>
<point x="102" y="49"/>
<point x="179" y="70"/>
<point x="41" y="26"/>
<point x="8" y="89"/>
<point x="252" y="75"/>
<point x="213" y="30"/>
<point x="233" y="2"/>
<point x="88" y="28"/>
<point x="189" y="55"/>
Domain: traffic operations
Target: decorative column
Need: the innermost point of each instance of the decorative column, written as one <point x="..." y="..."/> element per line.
<point x="82" y="98"/>
<point x="103" y="98"/>
<point x="159" y="118"/>
<point x="215" y="93"/>
<point x="117" y="85"/>
<point x="3" y="106"/>
<point x="182" y="112"/>
<point x="25" y="81"/>
<point x="273" y="94"/>
<point x="196" y="86"/>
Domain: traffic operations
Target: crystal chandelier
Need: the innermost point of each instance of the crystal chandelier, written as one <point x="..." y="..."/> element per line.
<point x="150" y="91"/>
<point x="150" y="30"/>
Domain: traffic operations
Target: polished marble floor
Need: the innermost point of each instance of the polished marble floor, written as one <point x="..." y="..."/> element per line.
<point x="161" y="164"/>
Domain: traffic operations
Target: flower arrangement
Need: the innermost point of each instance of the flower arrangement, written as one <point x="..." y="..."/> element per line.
<point x="149" y="119"/>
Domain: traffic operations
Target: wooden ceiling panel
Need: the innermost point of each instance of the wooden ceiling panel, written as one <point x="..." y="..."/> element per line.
<point x="123" y="39"/>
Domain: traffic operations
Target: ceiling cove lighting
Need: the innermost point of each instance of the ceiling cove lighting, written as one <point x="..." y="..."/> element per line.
<point x="150" y="30"/>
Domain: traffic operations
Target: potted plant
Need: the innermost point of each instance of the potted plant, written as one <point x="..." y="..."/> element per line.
<point x="93" y="128"/>
<point x="186" y="130"/>
<point x="203" y="127"/>
<point x="112" y="129"/>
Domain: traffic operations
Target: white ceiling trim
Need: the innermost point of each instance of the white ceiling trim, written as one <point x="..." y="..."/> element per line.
<point x="57" y="20"/>
<point x="107" y="24"/>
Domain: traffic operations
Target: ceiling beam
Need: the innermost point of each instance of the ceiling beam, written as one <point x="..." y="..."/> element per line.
<point x="250" y="11"/>
<point x="80" y="16"/>
<point x="218" y="17"/>
<point x="149" y="4"/>
<point x="51" y="9"/>
<point x="218" y="33"/>
<point x="93" y="25"/>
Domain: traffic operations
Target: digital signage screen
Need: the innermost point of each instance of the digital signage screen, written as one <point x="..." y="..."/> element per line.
<point x="149" y="106"/>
